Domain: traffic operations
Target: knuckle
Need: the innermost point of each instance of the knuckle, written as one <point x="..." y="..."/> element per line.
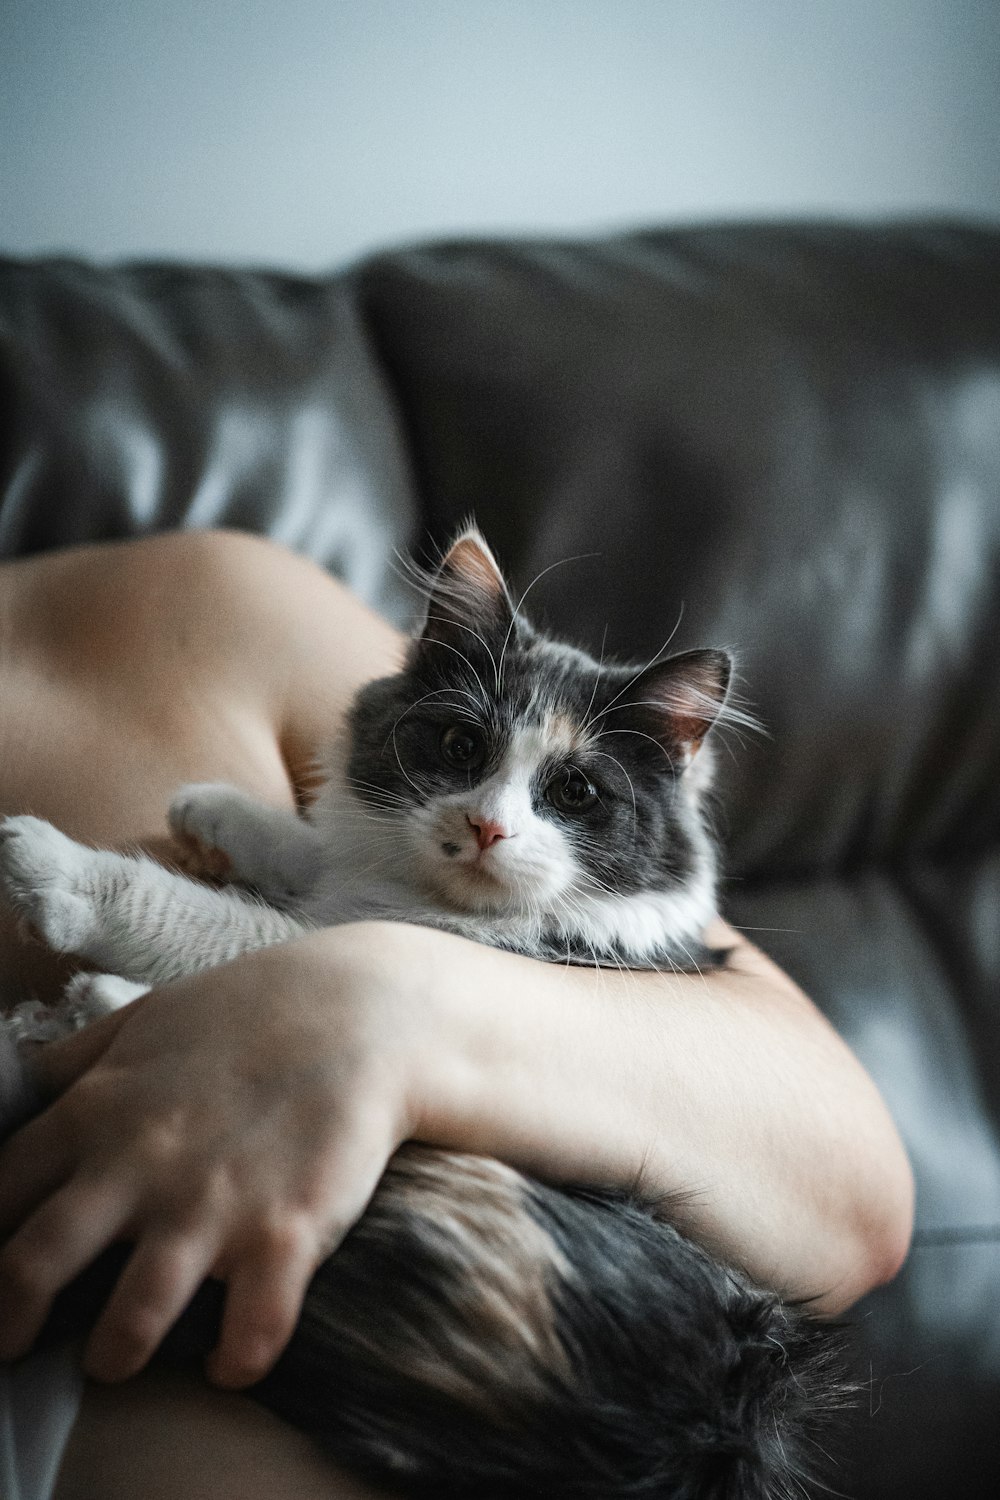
<point x="156" y="1292"/>
<point x="290" y="1236"/>
<point x="158" y="1144"/>
<point x="181" y="1212"/>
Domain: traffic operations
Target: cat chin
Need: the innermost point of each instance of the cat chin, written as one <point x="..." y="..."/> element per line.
<point x="484" y="888"/>
<point x="471" y="888"/>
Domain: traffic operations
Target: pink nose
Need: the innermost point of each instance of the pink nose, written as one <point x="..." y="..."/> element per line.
<point x="486" y="831"/>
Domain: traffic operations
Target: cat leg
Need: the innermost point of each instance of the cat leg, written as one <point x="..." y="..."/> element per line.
<point x="269" y="848"/>
<point x="128" y="914"/>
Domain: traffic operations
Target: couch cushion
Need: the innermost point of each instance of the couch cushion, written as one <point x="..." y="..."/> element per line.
<point x="140" y="398"/>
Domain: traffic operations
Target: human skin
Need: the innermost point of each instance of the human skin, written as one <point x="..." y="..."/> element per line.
<point x="235" y="1123"/>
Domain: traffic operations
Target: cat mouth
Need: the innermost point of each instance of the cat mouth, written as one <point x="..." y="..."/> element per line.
<point x="469" y="874"/>
<point x="476" y="863"/>
<point x="478" y="869"/>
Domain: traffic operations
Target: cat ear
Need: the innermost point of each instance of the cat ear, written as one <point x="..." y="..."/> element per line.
<point x="680" y="699"/>
<point x="468" y="596"/>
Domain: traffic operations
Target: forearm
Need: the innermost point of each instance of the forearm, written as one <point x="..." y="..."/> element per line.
<point x="729" y="1093"/>
<point x="270" y="1093"/>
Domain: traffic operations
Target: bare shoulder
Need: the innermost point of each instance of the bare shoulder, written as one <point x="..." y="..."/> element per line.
<point x="237" y="609"/>
<point x="205" y="646"/>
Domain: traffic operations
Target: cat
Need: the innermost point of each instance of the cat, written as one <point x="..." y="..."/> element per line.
<point x="480" y="1334"/>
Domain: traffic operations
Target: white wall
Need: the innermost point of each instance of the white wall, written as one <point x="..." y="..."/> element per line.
<point x="304" y="131"/>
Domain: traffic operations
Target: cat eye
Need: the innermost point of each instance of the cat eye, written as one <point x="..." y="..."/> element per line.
<point x="571" y="792"/>
<point x="463" y="746"/>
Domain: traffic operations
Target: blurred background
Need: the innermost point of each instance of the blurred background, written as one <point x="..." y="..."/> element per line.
<point x="305" y="132"/>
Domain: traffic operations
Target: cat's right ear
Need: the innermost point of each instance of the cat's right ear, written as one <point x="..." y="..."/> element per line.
<point x="468" y="597"/>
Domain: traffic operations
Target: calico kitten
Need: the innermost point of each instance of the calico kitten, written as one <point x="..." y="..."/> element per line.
<point x="503" y="785"/>
<point x="480" y="1334"/>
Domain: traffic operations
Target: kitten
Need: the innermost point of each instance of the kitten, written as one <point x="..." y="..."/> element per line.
<point x="480" y="1334"/>
<point x="503" y="785"/>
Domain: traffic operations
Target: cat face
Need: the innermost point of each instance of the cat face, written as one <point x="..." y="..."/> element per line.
<point x="523" y="776"/>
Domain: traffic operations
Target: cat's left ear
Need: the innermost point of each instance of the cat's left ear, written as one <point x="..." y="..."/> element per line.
<point x="681" y="698"/>
<point x="468" y="597"/>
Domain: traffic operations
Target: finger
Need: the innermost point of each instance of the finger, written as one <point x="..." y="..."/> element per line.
<point x="267" y="1286"/>
<point x="34" y="1162"/>
<point x="158" y="1282"/>
<point x="263" y="1301"/>
<point x="53" y="1246"/>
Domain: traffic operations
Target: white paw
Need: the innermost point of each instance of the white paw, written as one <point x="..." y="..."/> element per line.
<point x="45" y="876"/>
<point x="201" y="812"/>
<point x="34" y="1021"/>
<point x="88" y="996"/>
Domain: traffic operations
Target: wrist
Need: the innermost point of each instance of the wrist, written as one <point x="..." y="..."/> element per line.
<point x="500" y="1052"/>
<point x="389" y="975"/>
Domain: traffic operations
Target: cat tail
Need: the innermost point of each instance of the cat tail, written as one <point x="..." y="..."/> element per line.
<point x="479" y="1335"/>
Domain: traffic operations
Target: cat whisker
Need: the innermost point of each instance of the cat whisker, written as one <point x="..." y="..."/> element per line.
<point x="361" y="873"/>
<point x="374" y="791"/>
<point x="443" y="620"/>
<point x="382" y="818"/>
<point x="651" y="663"/>
<point x="367" y="797"/>
<point x="516" y="609"/>
<point x="729" y="719"/>
<point x="606" y="755"/>
<point x="587" y="721"/>
<point x="374" y="807"/>
<point x="641" y="733"/>
<point x="403" y="770"/>
<point x="410" y="571"/>
<point x="433" y="693"/>
<point x="695" y="967"/>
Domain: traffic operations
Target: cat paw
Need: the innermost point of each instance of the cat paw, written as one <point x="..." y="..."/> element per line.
<point x="198" y="820"/>
<point x="89" y="996"/>
<point x="44" y="874"/>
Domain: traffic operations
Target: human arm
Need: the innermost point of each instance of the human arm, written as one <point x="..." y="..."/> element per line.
<point x="236" y="1123"/>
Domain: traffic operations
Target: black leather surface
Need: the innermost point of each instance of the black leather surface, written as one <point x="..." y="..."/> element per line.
<point x="140" y="398"/>
<point x="791" y="431"/>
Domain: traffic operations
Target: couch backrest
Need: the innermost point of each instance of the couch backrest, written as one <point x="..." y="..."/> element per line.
<point x="789" y="433"/>
<point x="139" y="398"/>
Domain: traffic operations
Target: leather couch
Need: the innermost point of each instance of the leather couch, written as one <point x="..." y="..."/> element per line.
<point x="789" y="431"/>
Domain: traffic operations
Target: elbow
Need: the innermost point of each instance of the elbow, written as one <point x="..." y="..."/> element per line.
<point x="891" y="1236"/>
<point x="878" y="1237"/>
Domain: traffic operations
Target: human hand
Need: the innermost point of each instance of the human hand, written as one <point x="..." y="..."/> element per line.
<point x="234" y="1125"/>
